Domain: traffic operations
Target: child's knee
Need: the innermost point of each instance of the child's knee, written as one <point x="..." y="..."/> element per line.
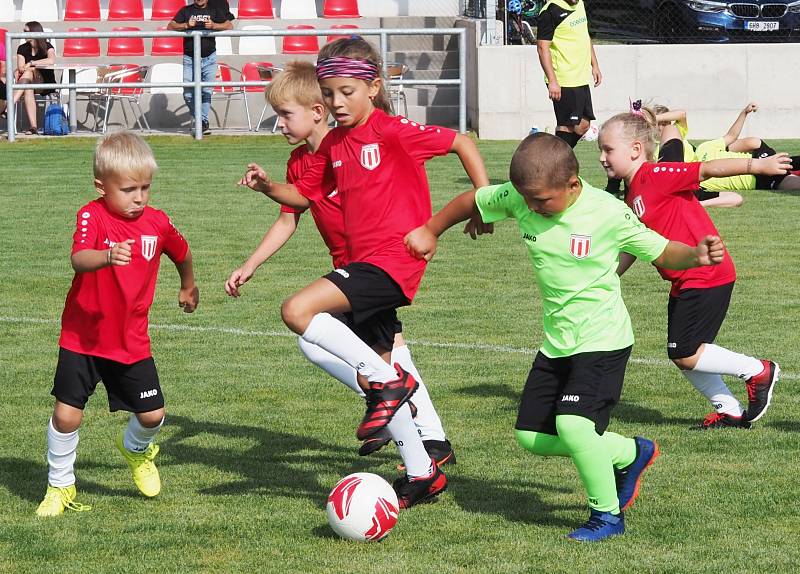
<point x="295" y="315"/>
<point x="527" y="440"/>
<point x="151" y="419"/>
<point x="66" y="419"/>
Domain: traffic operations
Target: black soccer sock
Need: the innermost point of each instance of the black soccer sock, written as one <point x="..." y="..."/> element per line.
<point x="570" y="137"/>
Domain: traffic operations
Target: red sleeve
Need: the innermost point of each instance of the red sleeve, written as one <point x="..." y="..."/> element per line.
<point x="420" y="141"/>
<point x="87" y="225"/>
<point x="175" y="246"/>
<point x="317" y="170"/>
<point x="672" y="178"/>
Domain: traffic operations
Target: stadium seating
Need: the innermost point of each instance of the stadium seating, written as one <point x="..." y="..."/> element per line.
<point x="267" y="73"/>
<point x="3" y="35"/>
<point x="230" y="92"/>
<point x="116" y="76"/>
<point x="166" y="46"/>
<point x="82" y="10"/>
<point x="298" y="10"/>
<point x="257" y="45"/>
<point x="224" y="46"/>
<point x="8" y="11"/>
<point x="256" y="9"/>
<point x="125" y="46"/>
<point x="40" y="11"/>
<point x="334" y="37"/>
<point x="166" y="72"/>
<point x="300" y="44"/>
<point x="125" y="10"/>
<point x="81" y="47"/>
<point x="250" y="73"/>
<point x="166" y="9"/>
<point x="340" y="9"/>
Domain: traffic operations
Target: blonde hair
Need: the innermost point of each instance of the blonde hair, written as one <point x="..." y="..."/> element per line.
<point x="296" y="83"/>
<point x="358" y="48"/>
<point x="123" y="153"/>
<point x="542" y="159"/>
<point x="637" y="127"/>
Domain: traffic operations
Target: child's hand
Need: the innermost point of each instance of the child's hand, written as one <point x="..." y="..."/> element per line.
<point x="255" y="178"/>
<point x="710" y="251"/>
<point x="421" y="243"/>
<point x="554" y="91"/>
<point x="777" y="164"/>
<point x="750" y="108"/>
<point x="120" y="253"/>
<point x="188" y="298"/>
<point x="475" y="226"/>
<point x="238" y="278"/>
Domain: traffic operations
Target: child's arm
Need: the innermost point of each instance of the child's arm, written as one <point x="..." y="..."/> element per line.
<point x="466" y="150"/>
<point x="677" y="116"/>
<point x="677" y="255"/>
<point x="596" y="75"/>
<point x="421" y="242"/>
<point x="546" y="61"/>
<point x="777" y="164"/>
<point x="736" y="129"/>
<point x="189" y="295"/>
<point x="625" y="262"/>
<point x="276" y="237"/>
<point x="88" y="260"/>
<point x="284" y="193"/>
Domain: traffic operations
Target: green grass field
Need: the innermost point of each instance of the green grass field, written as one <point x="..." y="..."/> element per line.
<point x="256" y="437"/>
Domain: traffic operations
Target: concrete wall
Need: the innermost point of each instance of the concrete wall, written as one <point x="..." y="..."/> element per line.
<point x="712" y="82"/>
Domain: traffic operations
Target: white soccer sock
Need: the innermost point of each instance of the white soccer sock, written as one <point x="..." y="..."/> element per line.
<point x="334" y="336"/>
<point x="712" y="387"/>
<point x="137" y="437"/>
<point x="716" y="359"/>
<point x="409" y="444"/>
<point x="331" y="364"/>
<point x="427" y="420"/>
<point x="61" y="453"/>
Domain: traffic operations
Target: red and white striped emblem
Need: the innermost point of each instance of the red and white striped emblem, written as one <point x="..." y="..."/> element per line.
<point x="579" y="245"/>
<point x="638" y="206"/>
<point x="149" y="246"/>
<point x="370" y="156"/>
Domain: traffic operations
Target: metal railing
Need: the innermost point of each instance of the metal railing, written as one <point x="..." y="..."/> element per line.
<point x="198" y="85"/>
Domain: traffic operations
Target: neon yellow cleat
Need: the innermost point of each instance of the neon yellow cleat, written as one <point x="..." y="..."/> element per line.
<point x="145" y="473"/>
<point x="56" y="500"/>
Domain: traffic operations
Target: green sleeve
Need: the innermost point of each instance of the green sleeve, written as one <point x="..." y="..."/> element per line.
<point x="635" y="238"/>
<point x="495" y="202"/>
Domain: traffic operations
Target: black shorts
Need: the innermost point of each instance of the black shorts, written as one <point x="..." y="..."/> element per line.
<point x="2" y="90"/>
<point x="694" y="317"/>
<point x="671" y="150"/>
<point x="767" y="181"/>
<point x="586" y="384"/>
<point x="575" y="104"/>
<point x="378" y="330"/>
<point x="703" y="194"/>
<point x="133" y="388"/>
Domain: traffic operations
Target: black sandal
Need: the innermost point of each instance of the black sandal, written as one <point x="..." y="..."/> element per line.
<point x="33" y="131"/>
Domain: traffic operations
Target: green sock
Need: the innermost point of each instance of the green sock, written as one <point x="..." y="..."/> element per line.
<point x="540" y="443"/>
<point x="621" y="449"/>
<point x="592" y="459"/>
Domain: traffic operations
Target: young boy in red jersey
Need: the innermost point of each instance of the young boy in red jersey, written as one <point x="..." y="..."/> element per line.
<point x="294" y="95"/>
<point x="116" y="252"/>
<point x="662" y="195"/>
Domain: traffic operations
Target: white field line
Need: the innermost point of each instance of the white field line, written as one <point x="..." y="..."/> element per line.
<point x="415" y="342"/>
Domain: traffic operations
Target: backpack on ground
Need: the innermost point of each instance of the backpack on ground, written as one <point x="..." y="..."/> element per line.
<point x="55" y="120"/>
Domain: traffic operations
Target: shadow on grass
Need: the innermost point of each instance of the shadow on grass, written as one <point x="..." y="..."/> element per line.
<point x="494" y="390"/>
<point x="785" y="426"/>
<point x="632" y="413"/>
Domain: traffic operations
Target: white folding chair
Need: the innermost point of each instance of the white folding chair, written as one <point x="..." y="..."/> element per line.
<point x="166" y="72"/>
<point x="257" y="45"/>
<point x="396" y="71"/>
<point x="117" y="91"/>
<point x="39" y="10"/>
<point x="298" y="10"/>
<point x="225" y="74"/>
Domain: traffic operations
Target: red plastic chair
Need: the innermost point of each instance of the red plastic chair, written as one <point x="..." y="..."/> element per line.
<point x="334" y="37"/>
<point x="81" y="47"/>
<point x="125" y="46"/>
<point x="125" y="10"/>
<point x="166" y="9"/>
<point x="255" y="9"/>
<point x="82" y="10"/>
<point x="3" y="35"/>
<point x="250" y="73"/>
<point x="230" y="92"/>
<point x="166" y="46"/>
<point x="340" y="9"/>
<point x="300" y="44"/>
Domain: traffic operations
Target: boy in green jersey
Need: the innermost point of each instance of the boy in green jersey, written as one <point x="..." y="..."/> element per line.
<point x="574" y="233"/>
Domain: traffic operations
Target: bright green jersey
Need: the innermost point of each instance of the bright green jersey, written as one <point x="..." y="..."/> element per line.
<point x="715" y="149"/>
<point x="688" y="150"/>
<point x="570" y="47"/>
<point x="575" y="255"/>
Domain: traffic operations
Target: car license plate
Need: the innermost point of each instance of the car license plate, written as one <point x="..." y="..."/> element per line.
<point x="761" y="26"/>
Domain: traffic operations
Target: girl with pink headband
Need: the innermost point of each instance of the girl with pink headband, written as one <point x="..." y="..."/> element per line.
<point x="377" y="160"/>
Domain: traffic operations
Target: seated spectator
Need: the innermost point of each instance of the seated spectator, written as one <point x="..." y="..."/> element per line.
<point x="2" y="80"/>
<point x="30" y="55"/>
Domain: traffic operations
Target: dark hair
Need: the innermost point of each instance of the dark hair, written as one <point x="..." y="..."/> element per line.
<point x="542" y="159"/>
<point x="39" y="44"/>
<point x="358" y="48"/>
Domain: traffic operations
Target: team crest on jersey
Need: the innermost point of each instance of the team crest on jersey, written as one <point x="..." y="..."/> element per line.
<point x="149" y="246"/>
<point x="370" y="156"/>
<point x="638" y="206"/>
<point x="579" y="245"/>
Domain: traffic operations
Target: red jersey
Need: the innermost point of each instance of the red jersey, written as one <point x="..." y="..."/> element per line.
<point x="662" y="196"/>
<point x="327" y="212"/>
<point x="105" y="314"/>
<point x="380" y="174"/>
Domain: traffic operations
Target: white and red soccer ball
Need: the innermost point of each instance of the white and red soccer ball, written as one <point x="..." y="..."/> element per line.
<point x="362" y="506"/>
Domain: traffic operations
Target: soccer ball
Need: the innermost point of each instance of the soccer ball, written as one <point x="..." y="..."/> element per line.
<point x="362" y="506"/>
